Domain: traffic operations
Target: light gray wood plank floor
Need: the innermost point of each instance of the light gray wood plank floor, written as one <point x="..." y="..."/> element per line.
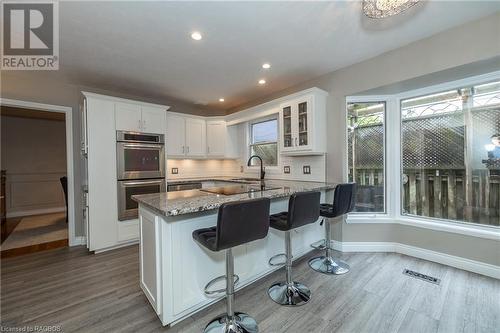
<point x="83" y="292"/>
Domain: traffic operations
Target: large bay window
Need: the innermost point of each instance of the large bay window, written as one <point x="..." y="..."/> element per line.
<point x="440" y="147"/>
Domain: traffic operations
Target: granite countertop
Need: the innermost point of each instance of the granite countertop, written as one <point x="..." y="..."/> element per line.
<point x="192" y="201"/>
<point x="235" y="179"/>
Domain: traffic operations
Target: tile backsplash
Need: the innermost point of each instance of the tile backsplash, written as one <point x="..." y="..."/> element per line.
<point x="188" y="168"/>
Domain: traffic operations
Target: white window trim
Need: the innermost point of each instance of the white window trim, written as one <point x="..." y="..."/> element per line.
<point x="388" y="155"/>
<point x="394" y="170"/>
<point x="274" y="168"/>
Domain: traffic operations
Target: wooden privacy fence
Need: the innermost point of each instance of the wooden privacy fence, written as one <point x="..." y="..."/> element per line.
<point x="437" y="193"/>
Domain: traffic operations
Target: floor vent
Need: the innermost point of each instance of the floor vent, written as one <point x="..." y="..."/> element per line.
<point x="421" y="276"/>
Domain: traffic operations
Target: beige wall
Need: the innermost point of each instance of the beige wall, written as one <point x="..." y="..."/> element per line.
<point x="468" y="44"/>
<point x="34" y="155"/>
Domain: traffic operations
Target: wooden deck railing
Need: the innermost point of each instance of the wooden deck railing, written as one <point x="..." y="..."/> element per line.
<point x="438" y="193"/>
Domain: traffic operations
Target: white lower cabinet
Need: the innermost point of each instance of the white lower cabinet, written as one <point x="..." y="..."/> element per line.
<point x="101" y="165"/>
<point x="128" y="230"/>
<point x="150" y="256"/>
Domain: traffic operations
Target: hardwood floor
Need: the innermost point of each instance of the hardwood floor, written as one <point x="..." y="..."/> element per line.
<point x="83" y="292"/>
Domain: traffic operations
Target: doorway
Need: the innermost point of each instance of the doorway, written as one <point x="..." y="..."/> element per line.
<point x="37" y="186"/>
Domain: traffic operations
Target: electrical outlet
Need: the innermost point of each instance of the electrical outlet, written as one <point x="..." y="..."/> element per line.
<point x="286" y="169"/>
<point x="175" y="171"/>
<point x="306" y="169"/>
<point x="241" y="168"/>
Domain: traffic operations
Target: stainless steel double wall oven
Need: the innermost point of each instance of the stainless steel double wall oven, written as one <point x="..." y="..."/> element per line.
<point x="140" y="164"/>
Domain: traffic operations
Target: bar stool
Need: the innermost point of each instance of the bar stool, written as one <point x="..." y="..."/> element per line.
<point x="237" y="223"/>
<point x="343" y="203"/>
<point x="303" y="208"/>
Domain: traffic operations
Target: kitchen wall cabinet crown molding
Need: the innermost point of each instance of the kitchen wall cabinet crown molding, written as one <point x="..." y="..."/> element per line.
<point x="268" y="108"/>
<point x="123" y="100"/>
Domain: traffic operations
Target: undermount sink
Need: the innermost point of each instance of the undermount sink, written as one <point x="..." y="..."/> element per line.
<point x="238" y="189"/>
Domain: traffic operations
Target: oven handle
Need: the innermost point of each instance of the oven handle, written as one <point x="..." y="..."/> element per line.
<point x="141" y="145"/>
<point x="150" y="182"/>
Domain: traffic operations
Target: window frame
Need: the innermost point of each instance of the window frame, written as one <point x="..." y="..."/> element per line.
<point x="250" y="144"/>
<point x="394" y="168"/>
<point x="370" y="99"/>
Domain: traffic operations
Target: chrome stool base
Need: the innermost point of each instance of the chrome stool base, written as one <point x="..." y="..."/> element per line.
<point x="294" y="294"/>
<point x="240" y="323"/>
<point x="329" y="265"/>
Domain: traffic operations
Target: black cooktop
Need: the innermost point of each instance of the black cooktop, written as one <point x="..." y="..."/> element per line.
<point x="238" y="189"/>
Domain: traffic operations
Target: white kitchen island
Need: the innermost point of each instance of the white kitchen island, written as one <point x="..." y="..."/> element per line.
<point x="174" y="269"/>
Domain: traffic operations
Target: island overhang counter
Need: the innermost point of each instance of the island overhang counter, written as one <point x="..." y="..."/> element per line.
<point x="174" y="269"/>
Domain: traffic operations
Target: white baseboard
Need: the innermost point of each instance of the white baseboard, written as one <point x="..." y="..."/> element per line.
<point x="36" y="212"/>
<point x="114" y="247"/>
<point x="78" y="240"/>
<point x="417" y="252"/>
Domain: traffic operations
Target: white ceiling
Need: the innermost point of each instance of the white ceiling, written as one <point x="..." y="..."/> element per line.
<point x="145" y="47"/>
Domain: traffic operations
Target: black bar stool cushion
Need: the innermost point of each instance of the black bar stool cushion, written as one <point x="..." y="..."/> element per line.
<point x="303" y="208"/>
<point x="206" y="237"/>
<point x="343" y="201"/>
<point x="237" y="223"/>
<point x="279" y="221"/>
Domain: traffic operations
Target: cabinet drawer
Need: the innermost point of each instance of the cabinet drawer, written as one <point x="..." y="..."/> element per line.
<point x="128" y="230"/>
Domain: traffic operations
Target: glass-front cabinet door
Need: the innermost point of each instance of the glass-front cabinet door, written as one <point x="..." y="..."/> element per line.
<point x="286" y="120"/>
<point x="296" y="128"/>
<point x="303" y="123"/>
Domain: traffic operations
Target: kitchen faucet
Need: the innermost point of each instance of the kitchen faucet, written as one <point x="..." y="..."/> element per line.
<point x="262" y="172"/>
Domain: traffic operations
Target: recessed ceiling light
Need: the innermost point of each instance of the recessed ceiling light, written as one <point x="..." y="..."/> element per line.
<point x="196" y="35"/>
<point x="266" y="66"/>
<point x="262" y="81"/>
<point x="221" y="99"/>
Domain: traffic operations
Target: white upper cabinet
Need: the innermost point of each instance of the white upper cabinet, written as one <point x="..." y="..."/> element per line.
<point x="195" y="137"/>
<point x="186" y="136"/>
<point x="176" y="135"/>
<point x="216" y="138"/>
<point x="137" y="118"/>
<point x="153" y="120"/>
<point x="128" y="117"/>
<point x="303" y="125"/>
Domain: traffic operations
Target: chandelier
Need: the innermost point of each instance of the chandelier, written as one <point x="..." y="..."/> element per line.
<point x="386" y="8"/>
